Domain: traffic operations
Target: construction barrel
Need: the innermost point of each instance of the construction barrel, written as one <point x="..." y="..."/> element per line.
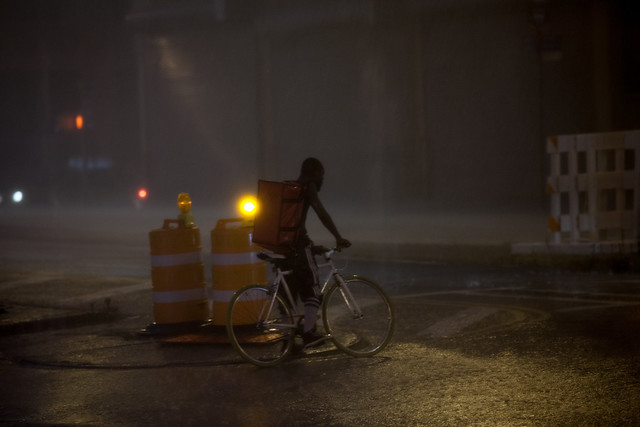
<point x="234" y="263"/>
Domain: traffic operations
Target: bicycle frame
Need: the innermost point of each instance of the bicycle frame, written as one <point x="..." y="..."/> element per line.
<point x="279" y="313"/>
<point x="280" y="280"/>
<point x="344" y="289"/>
<point x="274" y="288"/>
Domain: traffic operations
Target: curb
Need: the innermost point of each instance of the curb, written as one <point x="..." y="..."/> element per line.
<point x="18" y="319"/>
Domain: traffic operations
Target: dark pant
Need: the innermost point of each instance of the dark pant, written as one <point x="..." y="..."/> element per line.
<point x="305" y="277"/>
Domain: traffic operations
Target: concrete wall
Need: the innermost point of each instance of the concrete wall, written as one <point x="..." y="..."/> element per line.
<point x="427" y="101"/>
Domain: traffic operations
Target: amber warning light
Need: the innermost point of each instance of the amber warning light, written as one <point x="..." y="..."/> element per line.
<point x="79" y="122"/>
<point x="248" y="206"/>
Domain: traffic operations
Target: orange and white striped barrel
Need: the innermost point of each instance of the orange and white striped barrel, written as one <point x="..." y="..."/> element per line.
<point x="177" y="274"/>
<point x="234" y="263"/>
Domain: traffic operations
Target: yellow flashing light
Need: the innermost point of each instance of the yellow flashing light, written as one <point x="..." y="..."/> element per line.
<point x="247" y="206"/>
<point x="184" y="202"/>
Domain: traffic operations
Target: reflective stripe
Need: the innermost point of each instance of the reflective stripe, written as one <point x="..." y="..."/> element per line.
<point x="179" y="296"/>
<point x="175" y="259"/>
<point x="236" y="259"/>
<point x="222" y="296"/>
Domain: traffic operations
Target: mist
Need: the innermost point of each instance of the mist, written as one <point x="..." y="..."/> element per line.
<point x="427" y="115"/>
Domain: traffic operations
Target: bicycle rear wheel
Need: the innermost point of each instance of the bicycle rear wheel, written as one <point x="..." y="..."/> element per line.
<point x="359" y="316"/>
<point x="262" y="333"/>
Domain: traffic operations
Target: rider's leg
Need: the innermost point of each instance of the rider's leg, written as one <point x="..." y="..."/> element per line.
<point x="311" y="307"/>
<point x="306" y="279"/>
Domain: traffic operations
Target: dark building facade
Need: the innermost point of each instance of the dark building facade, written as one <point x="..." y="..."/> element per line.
<point x="413" y="101"/>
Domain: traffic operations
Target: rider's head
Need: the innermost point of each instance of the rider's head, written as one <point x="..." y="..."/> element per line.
<point x="312" y="171"/>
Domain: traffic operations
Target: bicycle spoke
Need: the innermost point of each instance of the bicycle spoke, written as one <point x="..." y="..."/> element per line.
<point x="359" y="317"/>
<point x="260" y="326"/>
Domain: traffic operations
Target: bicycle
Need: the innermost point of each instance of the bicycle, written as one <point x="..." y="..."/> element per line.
<point x="264" y="320"/>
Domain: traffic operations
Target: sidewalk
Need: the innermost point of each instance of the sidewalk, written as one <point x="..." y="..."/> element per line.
<point x="104" y="329"/>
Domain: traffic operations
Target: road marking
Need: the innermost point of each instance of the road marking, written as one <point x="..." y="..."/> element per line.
<point x="456" y="323"/>
<point x="595" y="294"/>
<point x="428" y="294"/>
<point x="589" y="303"/>
<point x="106" y="294"/>
<point x="598" y="306"/>
<point x="23" y="282"/>
<point x="598" y="303"/>
<point x="77" y="299"/>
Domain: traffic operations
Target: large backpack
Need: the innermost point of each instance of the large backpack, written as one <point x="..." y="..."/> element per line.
<point x="278" y="220"/>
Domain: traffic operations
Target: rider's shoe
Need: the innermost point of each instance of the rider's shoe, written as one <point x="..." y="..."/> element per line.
<point x="313" y="339"/>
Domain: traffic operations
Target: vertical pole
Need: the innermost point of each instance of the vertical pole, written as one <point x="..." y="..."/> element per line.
<point x="635" y="143"/>
<point x="142" y="111"/>
<point x="267" y="149"/>
<point x="592" y="180"/>
<point x="602" y="65"/>
<point x="48" y="157"/>
<point x="574" y="208"/>
<point x="554" y="180"/>
<point x="423" y="155"/>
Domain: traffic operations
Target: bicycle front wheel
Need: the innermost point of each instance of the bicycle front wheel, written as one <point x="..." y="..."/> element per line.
<point x="359" y="316"/>
<point x="260" y="325"/>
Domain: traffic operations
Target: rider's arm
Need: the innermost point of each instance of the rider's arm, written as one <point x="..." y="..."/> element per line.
<point x="325" y="218"/>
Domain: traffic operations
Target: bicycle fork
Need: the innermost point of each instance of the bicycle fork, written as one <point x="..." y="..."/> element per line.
<point x="352" y="304"/>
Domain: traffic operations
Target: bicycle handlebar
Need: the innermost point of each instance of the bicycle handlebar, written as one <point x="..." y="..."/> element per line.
<point x="323" y="250"/>
<point x="320" y="250"/>
<point x="315" y="250"/>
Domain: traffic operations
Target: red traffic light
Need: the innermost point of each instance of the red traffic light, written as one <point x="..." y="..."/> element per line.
<point x="142" y="193"/>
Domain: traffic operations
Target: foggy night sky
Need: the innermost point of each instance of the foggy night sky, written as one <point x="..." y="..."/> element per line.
<point x="405" y="102"/>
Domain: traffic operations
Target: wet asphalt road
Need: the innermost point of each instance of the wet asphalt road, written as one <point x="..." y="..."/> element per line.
<point x="474" y="345"/>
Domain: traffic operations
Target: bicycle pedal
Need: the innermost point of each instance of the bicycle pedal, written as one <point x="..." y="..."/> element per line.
<point x="316" y="343"/>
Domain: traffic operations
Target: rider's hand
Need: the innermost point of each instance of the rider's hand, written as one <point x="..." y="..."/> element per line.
<point x="342" y="243"/>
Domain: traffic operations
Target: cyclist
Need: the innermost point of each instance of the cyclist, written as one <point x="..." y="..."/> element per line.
<point x="305" y="269"/>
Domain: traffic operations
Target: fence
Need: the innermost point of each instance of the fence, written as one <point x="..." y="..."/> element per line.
<point x="594" y="188"/>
